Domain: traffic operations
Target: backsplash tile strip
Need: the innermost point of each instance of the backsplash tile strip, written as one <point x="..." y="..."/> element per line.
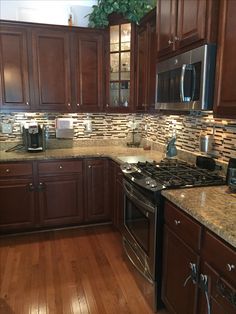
<point x="115" y="127"/>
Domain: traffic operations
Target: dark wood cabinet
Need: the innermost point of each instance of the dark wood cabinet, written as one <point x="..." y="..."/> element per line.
<point x="116" y="195"/>
<point x="88" y="71"/>
<point x="60" y="187"/>
<point x="146" y="61"/>
<point x="17" y="195"/>
<point x="185" y="24"/>
<point x="51" y="62"/>
<point x="199" y="269"/>
<point x="180" y="258"/>
<point x="225" y="92"/>
<point x="15" y="76"/>
<point x="220" y="274"/>
<point x="96" y="190"/>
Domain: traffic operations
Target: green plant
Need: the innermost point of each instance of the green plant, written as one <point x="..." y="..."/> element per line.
<point x="133" y="10"/>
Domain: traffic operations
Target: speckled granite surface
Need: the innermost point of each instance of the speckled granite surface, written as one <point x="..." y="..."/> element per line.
<point x="214" y="207"/>
<point x="95" y="151"/>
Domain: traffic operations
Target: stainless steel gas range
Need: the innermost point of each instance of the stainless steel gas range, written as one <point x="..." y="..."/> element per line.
<point x="143" y="215"/>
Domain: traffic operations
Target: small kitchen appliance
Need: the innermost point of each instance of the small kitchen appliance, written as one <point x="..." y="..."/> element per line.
<point x="143" y="215"/>
<point x="206" y="142"/>
<point x="231" y="174"/>
<point x="34" y="138"/>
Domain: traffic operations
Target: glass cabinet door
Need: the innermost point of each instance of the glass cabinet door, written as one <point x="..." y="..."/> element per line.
<point x="120" y="64"/>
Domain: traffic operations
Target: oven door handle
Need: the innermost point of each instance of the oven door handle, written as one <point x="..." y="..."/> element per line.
<point x="139" y="202"/>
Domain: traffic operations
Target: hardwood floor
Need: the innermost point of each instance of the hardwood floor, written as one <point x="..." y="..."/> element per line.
<point x="67" y="272"/>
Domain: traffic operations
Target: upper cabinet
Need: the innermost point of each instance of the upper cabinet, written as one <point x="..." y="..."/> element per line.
<point x="183" y="24"/>
<point x="225" y="92"/>
<point x="88" y="70"/>
<point x="51" y="69"/>
<point x="120" y="72"/>
<point x="14" y="68"/>
<point x="146" y="61"/>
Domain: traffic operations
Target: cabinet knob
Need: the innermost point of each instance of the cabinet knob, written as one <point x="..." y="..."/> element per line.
<point x="27" y="103"/>
<point x="107" y="105"/>
<point x="77" y="105"/>
<point x="170" y="42"/>
<point x="177" y="222"/>
<point x="60" y="167"/>
<point x="177" y="38"/>
<point x="31" y="187"/>
<point x="230" y="267"/>
<point x="68" y="104"/>
<point x="89" y="166"/>
<point x="7" y="170"/>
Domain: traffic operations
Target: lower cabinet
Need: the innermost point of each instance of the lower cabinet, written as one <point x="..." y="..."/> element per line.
<point x="116" y="195"/>
<point x="96" y="190"/>
<point x="199" y="269"/>
<point x="60" y="192"/>
<point x="42" y="194"/>
<point x="17" y="196"/>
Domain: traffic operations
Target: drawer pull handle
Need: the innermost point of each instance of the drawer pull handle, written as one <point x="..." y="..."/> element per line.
<point x="177" y="222"/>
<point x="230" y="267"/>
<point x="7" y="170"/>
<point x="60" y="167"/>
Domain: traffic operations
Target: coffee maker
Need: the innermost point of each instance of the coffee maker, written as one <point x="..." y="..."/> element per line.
<point x="34" y="137"/>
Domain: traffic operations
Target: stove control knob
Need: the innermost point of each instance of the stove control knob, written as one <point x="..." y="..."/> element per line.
<point x="147" y="182"/>
<point x="153" y="184"/>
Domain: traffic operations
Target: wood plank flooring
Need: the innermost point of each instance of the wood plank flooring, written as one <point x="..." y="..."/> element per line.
<point x="76" y="271"/>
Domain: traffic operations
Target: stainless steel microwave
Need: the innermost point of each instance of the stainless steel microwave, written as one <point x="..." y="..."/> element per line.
<point x="186" y="81"/>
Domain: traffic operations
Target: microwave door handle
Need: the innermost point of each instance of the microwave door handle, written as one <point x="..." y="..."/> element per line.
<point x="194" y="81"/>
<point x="183" y="71"/>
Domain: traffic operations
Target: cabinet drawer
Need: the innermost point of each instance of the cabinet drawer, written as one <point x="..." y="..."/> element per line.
<point x="183" y="226"/>
<point x="15" y="169"/>
<point x="59" y="167"/>
<point x="220" y="256"/>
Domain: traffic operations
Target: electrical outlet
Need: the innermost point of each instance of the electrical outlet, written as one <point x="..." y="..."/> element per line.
<point x="7" y="128"/>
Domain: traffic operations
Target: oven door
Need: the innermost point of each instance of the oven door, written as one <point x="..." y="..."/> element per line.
<point x="140" y="230"/>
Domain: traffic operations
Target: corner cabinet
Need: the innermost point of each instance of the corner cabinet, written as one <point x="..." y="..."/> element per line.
<point x="199" y="269"/>
<point x="88" y="79"/>
<point x="146" y="63"/>
<point x="120" y="65"/>
<point x="225" y="92"/>
<point x="184" y="24"/>
<point x="15" y="69"/>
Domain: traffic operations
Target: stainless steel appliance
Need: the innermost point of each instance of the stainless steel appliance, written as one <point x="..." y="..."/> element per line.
<point x="34" y="137"/>
<point x="186" y="82"/>
<point x="143" y="215"/>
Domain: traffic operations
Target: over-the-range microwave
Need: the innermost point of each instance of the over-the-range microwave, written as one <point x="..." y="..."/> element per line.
<point x="186" y="81"/>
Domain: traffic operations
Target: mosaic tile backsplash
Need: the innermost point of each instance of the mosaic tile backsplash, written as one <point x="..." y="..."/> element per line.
<point x="153" y="128"/>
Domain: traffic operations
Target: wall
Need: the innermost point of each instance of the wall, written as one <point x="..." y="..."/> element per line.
<point x="153" y="128"/>
<point x="49" y="12"/>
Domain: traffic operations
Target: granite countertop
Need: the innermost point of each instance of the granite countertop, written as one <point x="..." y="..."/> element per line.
<point x="214" y="207"/>
<point x="94" y="151"/>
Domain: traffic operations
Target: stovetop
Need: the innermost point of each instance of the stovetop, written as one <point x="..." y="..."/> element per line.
<point x="170" y="173"/>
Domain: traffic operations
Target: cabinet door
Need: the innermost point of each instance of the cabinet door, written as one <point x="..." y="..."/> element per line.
<point x="61" y="200"/>
<point x="225" y="92"/>
<point x="51" y="70"/>
<point x="221" y="294"/>
<point x="191" y="22"/>
<point x="17" y="204"/>
<point x="178" y="293"/>
<point x="97" y="209"/>
<point x="88" y="68"/>
<point x="142" y="42"/>
<point x="166" y="25"/>
<point x="14" y="68"/>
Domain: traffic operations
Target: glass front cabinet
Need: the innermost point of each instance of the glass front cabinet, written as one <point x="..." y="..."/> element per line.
<point x="120" y="79"/>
